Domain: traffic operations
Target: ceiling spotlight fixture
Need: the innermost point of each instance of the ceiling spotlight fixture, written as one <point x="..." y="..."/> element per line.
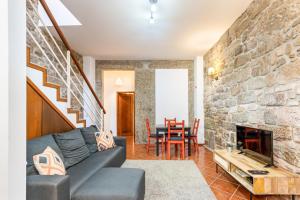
<point x="153" y="1"/>
<point x="152" y="20"/>
<point x="153" y="9"/>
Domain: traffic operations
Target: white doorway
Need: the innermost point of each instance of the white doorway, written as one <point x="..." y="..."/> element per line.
<point x="114" y="82"/>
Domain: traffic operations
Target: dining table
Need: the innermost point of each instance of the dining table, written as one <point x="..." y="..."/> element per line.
<point x="162" y="129"/>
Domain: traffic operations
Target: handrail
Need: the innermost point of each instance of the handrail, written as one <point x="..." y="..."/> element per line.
<point x="64" y="40"/>
<point x="60" y="76"/>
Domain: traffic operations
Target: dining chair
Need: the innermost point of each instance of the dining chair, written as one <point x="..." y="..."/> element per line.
<point x="176" y="136"/>
<point x="173" y="120"/>
<point x="153" y="136"/>
<point x="169" y="120"/>
<point x="194" y="133"/>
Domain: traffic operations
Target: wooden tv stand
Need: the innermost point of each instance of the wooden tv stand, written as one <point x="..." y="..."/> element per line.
<point x="277" y="182"/>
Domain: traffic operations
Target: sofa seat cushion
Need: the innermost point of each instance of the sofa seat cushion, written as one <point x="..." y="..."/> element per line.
<point x="113" y="184"/>
<point x="90" y="138"/>
<point x="37" y="146"/>
<point x="82" y="171"/>
<point x="73" y="147"/>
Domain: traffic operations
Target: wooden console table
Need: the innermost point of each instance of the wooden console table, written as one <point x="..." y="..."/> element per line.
<point x="277" y="182"/>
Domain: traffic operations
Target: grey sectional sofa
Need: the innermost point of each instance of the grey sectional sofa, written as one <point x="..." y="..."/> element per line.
<point x="95" y="176"/>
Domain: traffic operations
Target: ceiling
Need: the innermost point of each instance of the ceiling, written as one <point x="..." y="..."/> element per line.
<point x="120" y="29"/>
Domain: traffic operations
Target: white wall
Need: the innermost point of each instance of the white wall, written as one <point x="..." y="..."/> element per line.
<point x="89" y="69"/>
<point x="4" y="153"/>
<point x="110" y="94"/>
<point x="171" y="94"/>
<point x="13" y="100"/>
<point x="199" y="93"/>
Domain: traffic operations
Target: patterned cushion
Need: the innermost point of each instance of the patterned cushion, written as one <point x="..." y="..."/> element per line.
<point x="37" y="146"/>
<point x="105" y="140"/>
<point x="49" y="163"/>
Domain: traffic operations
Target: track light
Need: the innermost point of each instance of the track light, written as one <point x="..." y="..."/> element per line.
<point x="152" y="20"/>
<point x="153" y="9"/>
<point x="153" y="1"/>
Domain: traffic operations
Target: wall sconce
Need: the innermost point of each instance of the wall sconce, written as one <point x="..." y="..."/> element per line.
<point x="212" y="72"/>
<point x="119" y="82"/>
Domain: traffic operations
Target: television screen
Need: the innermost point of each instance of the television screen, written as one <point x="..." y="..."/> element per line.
<point x="256" y="143"/>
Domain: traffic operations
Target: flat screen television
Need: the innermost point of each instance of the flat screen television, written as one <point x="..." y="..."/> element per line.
<point x="256" y="143"/>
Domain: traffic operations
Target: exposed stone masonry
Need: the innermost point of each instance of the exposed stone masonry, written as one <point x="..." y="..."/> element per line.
<point x="259" y="82"/>
<point x="145" y="88"/>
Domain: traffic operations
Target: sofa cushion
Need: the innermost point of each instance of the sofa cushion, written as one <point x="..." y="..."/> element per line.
<point x="73" y="147"/>
<point x="82" y="171"/>
<point x="37" y="146"/>
<point x="105" y="140"/>
<point x="113" y="184"/>
<point x="49" y="163"/>
<point x="90" y="138"/>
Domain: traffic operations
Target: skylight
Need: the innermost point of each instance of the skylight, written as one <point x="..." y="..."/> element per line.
<point x="63" y="15"/>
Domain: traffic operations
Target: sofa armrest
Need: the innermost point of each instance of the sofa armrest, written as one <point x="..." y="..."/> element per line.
<point x="48" y="187"/>
<point x="121" y="141"/>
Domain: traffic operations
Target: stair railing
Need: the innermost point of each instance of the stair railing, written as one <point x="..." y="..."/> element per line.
<point x="69" y="79"/>
<point x="87" y="99"/>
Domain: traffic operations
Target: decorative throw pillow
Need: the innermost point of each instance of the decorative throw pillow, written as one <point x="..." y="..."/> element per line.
<point x="49" y="163"/>
<point x="37" y="146"/>
<point x="105" y="140"/>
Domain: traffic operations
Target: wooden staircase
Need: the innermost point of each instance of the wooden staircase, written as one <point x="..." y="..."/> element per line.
<point x="54" y="72"/>
<point x="72" y="114"/>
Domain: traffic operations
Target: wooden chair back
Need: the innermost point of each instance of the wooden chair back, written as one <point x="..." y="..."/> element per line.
<point x="176" y="128"/>
<point x="169" y="120"/>
<point x="195" y="127"/>
<point x="148" y="127"/>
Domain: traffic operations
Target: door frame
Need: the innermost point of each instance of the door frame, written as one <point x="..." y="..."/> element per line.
<point x="133" y="105"/>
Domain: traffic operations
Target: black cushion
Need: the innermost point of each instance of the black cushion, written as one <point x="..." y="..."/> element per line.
<point x="159" y="135"/>
<point x="90" y="138"/>
<point x="82" y="171"/>
<point x="113" y="184"/>
<point x="37" y="146"/>
<point x="73" y="147"/>
<point x="186" y="135"/>
<point x="175" y="138"/>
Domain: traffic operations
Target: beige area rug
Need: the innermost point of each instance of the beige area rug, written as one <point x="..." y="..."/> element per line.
<point x="172" y="180"/>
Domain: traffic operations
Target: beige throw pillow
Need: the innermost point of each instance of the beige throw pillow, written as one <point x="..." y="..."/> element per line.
<point x="49" y="163"/>
<point x="105" y="140"/>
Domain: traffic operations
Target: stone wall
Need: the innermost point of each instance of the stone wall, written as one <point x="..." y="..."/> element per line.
<point x="145" y="88"/>
<point x="258" y="59"/>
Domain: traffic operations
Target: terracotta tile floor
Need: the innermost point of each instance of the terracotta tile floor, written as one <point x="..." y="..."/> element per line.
<point x="223" y="186"/>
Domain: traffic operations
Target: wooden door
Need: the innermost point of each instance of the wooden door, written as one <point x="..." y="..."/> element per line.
<point x="125" y="114"/>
